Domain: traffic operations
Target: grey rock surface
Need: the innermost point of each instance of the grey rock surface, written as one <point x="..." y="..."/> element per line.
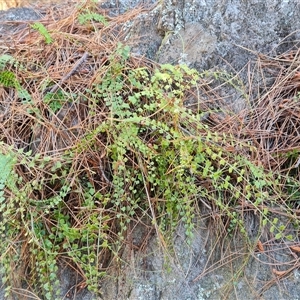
<point x="13" y="18"/>
<point x="207" y="268"/>
<point x="209" y="33"/>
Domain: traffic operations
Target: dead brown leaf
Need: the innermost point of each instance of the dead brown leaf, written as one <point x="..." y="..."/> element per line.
<point x="295" y="248"/>
<point x="279" y="273"/>
<point x="260" y="246"/>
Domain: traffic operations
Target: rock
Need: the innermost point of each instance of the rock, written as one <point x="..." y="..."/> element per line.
<point x="13" y="18"/>
<point x="204" y="269"/>
<point x="232" y="31"/>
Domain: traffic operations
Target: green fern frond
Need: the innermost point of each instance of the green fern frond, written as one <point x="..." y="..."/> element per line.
<point x="8" y="79"/>
<point x="43" y="31"/>
<point x="90" y="16"/>
<point x="6" y="165"/>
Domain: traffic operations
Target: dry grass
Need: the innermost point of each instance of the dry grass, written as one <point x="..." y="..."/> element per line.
<point x="73" y="63"/>
<point x="66" y="69"/>
<point x="270" y="125"/>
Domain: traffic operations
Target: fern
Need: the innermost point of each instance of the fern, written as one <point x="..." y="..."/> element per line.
<point x="89" y="16"/>
<point x="8" y="79"/>
<point x="6" y="165"/>
<point x="43" y="31"/>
